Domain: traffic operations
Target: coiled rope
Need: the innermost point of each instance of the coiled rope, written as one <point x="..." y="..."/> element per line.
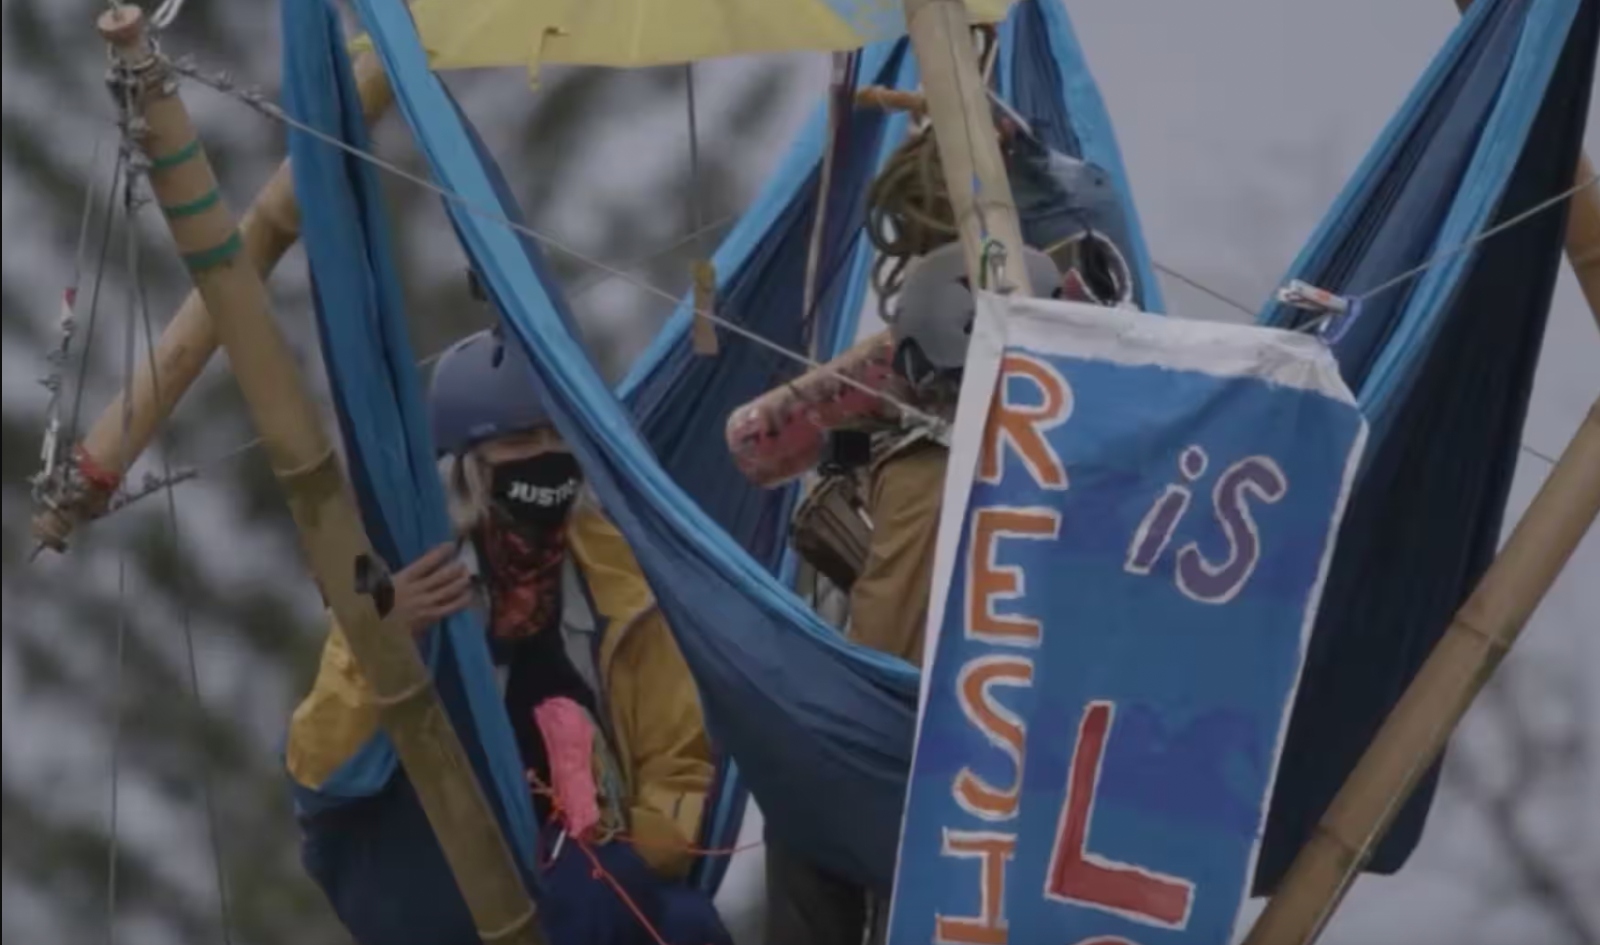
<point x="909" y="213"/>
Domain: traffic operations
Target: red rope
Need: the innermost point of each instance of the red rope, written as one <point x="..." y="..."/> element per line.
<point x="99" y="478"/>
<point x="600" y="872"/>
<point x="539" y="788"/>
<point x="627" y="900"/>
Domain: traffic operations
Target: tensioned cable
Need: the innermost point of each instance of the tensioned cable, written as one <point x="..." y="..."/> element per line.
<point x="171" y="478"/>
<point x="271" y="110"/>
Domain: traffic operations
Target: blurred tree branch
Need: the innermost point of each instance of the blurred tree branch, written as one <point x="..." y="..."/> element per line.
<point x="1538" y="759"/>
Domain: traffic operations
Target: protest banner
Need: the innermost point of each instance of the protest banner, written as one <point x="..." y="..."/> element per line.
<point x="1138" y="519"/>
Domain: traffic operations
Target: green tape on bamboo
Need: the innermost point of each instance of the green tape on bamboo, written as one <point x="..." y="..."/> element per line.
<point x="194" y="207"/>
<point x="215" y="256"/>
<point x="167" y="162"/>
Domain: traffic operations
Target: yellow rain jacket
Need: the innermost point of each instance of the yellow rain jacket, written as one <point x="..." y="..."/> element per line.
<point x="889" y="600"/>
<point x="658" y="732"/>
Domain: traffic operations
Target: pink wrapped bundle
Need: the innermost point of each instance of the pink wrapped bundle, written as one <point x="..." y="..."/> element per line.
<point x="781" y="434"/>
<point x="569" y="743"/>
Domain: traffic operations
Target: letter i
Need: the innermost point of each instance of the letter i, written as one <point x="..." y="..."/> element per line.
<point x="1156" y="529"/>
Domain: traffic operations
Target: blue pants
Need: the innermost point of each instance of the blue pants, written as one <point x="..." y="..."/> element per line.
<point x="579" y="908"/>
<point x="378" y="862"/>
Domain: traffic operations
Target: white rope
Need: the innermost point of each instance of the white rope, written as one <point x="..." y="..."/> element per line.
<point x="76" y="414"/>
<point x="154" y="485"/>
<point x="1203" y="288"/>
<point x="113" y="840"/>
<point x="186" y="618"/>
<point x="166" y="13"/>
<point x="278" y="114"/>
<point x="271" y="110"/>
<point x="116" y="754"/>
<point x="1482" y="235"/>
<point x="67" y="327"/>
<point x="695" y="208"/>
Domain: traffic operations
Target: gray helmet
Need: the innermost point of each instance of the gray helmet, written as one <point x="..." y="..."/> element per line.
<point x="933" y="321"/>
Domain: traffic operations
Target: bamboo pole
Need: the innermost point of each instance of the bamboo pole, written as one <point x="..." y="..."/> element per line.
<point x="1583" y="236"/>
<point x="1415" y="733"/>
<point x="308" y="470"/>
<point x="969" y="150"/>
<point x="114" y="442"/>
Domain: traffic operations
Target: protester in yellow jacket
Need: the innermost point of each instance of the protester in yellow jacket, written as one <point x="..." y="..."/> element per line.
<point x="588" y="664"/>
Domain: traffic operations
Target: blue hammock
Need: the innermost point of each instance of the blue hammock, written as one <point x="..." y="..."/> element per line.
<point x="1442" y="367"/>
<point x="681" y="402"/>
<point x="822" y="728"/>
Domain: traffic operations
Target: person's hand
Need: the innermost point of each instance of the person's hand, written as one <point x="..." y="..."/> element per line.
<point x="432" y="588"/>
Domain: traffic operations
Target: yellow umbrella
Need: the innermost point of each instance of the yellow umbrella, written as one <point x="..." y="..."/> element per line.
<point x="467" y="34"/>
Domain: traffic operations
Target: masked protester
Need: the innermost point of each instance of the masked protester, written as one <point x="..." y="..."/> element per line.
<point x="605" y="714"/>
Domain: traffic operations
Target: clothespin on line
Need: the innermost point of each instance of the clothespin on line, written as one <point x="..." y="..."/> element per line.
<point x="703" y="333"/>
<point x="1333" y="312"/>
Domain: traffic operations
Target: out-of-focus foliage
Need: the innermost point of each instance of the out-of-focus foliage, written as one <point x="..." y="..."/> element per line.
<point x="232" y="565"/>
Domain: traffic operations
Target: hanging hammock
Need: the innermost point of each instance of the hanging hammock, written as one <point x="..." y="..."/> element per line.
<point x="1442" y="365"/>
<point x="822" y="728"/>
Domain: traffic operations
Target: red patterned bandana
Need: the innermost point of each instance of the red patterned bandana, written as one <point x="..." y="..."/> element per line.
<point x="524" y="577"/>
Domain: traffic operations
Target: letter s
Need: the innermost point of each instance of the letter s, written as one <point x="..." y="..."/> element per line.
<point x="1220" y="583"/>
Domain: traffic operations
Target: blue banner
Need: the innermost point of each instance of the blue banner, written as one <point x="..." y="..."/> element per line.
<point x="1138" y="519"/>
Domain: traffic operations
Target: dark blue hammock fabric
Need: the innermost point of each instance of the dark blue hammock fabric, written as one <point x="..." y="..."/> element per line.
<point x="1044" y="76"/>
<point x="1442" y="367"/>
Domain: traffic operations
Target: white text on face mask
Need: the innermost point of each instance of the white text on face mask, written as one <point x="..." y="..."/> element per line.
<point x="544" y="496"/>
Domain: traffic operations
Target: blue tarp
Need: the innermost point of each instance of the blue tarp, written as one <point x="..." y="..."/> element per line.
<point x="1442" y="366"/>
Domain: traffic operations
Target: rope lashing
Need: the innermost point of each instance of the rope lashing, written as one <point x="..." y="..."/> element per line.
<point x="909" y="213"/>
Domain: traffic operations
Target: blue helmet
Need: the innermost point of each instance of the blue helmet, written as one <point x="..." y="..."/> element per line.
<point x="1069" y="208"/>
<point x="482" y="389"/>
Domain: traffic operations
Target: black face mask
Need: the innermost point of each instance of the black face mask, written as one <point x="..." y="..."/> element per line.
<point x="537" y="491"/>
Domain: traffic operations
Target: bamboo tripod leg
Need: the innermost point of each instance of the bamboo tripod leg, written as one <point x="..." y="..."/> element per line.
<point x="1583" y="236"/>
<point x="308" y="470"/>
<point x="269" y="228"/>
<point x="969" y="150"/>
<point x="1414" y="734"/>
